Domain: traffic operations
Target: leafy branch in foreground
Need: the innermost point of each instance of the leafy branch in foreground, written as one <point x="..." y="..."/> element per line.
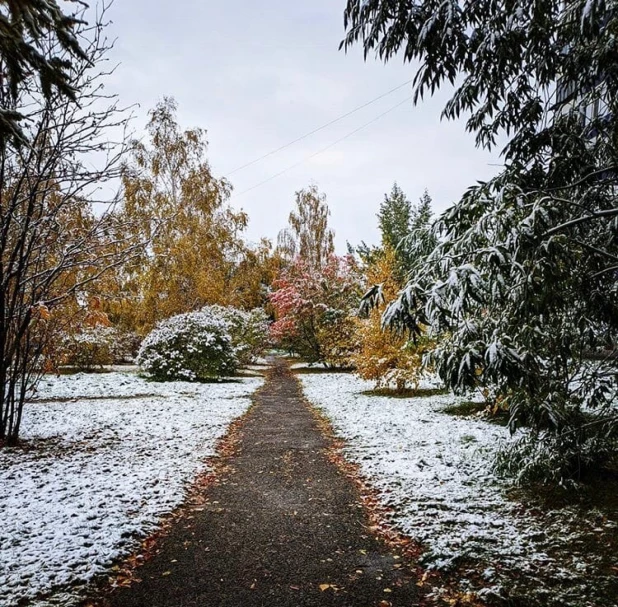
<point x="26" y="29"/>
<point x="521" y="290"/>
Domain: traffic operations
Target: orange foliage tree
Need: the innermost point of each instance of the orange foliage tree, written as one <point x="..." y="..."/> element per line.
<point x="388" y="358"/>
<point x="196" y="255"/>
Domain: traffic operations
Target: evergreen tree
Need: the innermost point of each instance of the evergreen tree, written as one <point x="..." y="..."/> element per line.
<point x="37" y="37"/>
<point x="421" y="213"/>
<point x="394" y="217"/>
<point x="421" y="240"/>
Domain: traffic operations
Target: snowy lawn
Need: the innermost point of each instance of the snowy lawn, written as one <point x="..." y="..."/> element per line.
<point x="98" y="473"/>
<point x="434" y="470"/>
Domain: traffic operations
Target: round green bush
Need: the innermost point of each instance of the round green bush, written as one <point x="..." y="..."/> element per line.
<point x="196" y="346"/>
<point x="249" y="330"/>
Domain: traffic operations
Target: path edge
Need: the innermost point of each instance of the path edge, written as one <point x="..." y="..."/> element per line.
<point x="125" y="571"/>
<point x="435" y="590"/>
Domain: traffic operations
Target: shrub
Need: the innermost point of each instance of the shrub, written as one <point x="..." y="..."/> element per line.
<point x="92" y="347"/>
<point x="389" y="358"/>
<point x="249" y="330"/>
<point x="88" y="348"/>
<point x="196" y="346"/>
<point x="586" y="444"/>
<point x="126" y="347"/>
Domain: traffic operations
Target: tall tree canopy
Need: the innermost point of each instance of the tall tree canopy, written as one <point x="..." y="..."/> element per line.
<point x="178" y="205"/>
<point x="308" y="235"/>
<point x="523" y="285"/>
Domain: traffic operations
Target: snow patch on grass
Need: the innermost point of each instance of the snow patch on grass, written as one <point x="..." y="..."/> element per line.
<point x="99" y="474"/>
<point x="116" y="384"/>
<point x="434" y="470"/>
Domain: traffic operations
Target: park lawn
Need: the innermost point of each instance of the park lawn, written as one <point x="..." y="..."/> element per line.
<point x="103" y="458"/>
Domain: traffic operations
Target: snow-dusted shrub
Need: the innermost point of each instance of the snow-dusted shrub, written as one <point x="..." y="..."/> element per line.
<point x="587" y="444"/>
<point x="249" y="330"/>
<point x="88" y="348"/>
<point x="193" y="347"/>
<point x="93" y="347"/>
<point x="126" y="347"/>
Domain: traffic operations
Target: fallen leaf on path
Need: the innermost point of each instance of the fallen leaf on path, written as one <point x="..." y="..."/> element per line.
<point x="324" y="587"/>
<point x="166" y="573"/>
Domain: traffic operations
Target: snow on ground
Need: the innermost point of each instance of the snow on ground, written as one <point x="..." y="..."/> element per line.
<point x="97" y="385"/>
<point x="306" y="365"/>
<point x="101" y="473"/>
<point x="434" y="469"/>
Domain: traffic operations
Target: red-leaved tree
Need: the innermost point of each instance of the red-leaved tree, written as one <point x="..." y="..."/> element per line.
<point x="314" y="309"/>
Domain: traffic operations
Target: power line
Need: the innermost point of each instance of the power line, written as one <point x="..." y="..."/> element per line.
<point x="293" y="166"/>
<point x="320" y="128"/>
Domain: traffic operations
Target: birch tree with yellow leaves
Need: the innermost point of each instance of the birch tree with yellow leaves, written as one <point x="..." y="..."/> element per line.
<point x="174" y="201"/>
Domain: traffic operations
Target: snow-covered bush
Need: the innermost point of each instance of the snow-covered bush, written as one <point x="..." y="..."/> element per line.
<point x="87" y="349"/>
<point x="249" y="330"/>
<point x="126" y="347"/>
<point x="587" y="444"/>
<point x="195" y="346"/>
<point x="93" y="347"/>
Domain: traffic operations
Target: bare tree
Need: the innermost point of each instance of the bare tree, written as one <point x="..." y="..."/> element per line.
<point x="58" y="228"/>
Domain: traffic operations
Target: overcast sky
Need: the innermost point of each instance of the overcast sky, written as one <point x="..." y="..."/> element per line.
<point x="257" y="75"/>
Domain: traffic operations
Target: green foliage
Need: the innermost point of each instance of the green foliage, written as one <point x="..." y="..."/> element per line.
<point x="523" y="285"/>
<point x="404" y="228"/>
<point x="196" y="346"/>
<point x="579" y="451"/>
<point x="249" y="330"/>
<point x="37" y="36"/>
<point x="394" y="218"/>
